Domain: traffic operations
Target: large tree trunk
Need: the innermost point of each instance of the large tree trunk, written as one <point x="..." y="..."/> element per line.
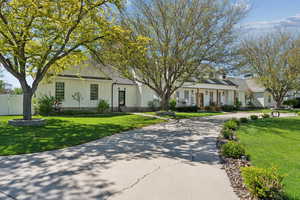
<point x="278" y="104"/>
<point x="27" y="102"/>
<point x="165" y="99"/>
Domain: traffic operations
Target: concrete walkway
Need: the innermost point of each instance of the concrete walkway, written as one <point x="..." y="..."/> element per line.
<point x="177" y="160"/>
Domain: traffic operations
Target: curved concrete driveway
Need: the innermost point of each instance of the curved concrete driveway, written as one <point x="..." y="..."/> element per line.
<point x="175" y="160"/>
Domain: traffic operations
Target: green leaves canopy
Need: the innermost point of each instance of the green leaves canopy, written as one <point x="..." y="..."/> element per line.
<point x="41" y="35"/>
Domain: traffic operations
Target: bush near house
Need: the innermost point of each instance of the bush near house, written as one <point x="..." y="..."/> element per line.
<point x="228" y="108"/>
<point x="291" y="102"/>
<point x="187" y="109"/>
<point x="237" y="105"/>
<point x="263" y="183"/>
<point x="75" y="112"/>
<point x="103" y="106"/>
<point x="44" y="105"/>
<point x="172" y="104"/>
<point x="233" y="150"/>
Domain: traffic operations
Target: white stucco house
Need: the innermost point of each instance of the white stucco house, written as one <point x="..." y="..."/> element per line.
<point x="122" y="94"/>
<point x="94" y="84"/>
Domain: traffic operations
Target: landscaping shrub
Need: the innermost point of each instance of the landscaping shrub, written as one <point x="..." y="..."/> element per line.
<point x="45" y="105"/>
<point x="172" y="104"/>
<point x="254" y="117"/>
<point x="103" y="106"/>
<point x="244" y="120"/>
<point x="75" y="112"/>
<point x="217" y="109"/>
<point x="207" y="108"/>
<point x="233" y="150"/>
<point x="227" y="133"/>
<point x="228" y="108"/>
<point x="265" y="116"/>
<point x="237" y="105"/>
<point x="231" y="125"/>
<point x="154" y="105"/>
<point x="187" y="109"/>
<point x="263" y="183"/>
<point x="291" y="102"/>
<point x="236" y="120"/>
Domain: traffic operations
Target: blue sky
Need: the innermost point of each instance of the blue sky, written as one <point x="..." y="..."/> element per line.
<point x="263" y="15"/>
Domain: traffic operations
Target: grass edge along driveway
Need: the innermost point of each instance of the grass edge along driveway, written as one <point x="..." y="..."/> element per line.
<point x="188" y="115"/>
<point x="275" y="142"/>
<point x="65" y="131"/>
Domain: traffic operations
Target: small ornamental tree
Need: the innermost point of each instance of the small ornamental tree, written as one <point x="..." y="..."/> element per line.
<point x="39" y="37"/>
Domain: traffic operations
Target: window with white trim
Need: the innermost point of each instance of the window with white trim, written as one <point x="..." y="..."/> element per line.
<point x="60" y="91"/>
<point x="186" y="95"/>
<point x="94" y="92"/>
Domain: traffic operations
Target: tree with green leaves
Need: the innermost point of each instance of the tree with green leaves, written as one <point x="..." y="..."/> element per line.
<point x="274" y="60"/>
<point x="43" y="37"/>
<point x="180" y="38"/>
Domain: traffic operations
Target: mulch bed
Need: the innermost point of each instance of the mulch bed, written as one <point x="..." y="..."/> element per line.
<point x="232" y="168"/>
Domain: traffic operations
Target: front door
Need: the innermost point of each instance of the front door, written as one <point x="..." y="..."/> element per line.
<point x="122" y="98"/>
<point x="200" y="100"/>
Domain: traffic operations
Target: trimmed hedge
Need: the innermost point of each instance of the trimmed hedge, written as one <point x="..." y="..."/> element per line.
<point x="263" y="183"/>
<point x="233" y="150"/>
<point x="187" y="109"/>
<point x="231" y="124"/>
<point x="253" y="117"/>
<point x="227" y="133"/>
<point x="244" y="120"/>
<point x="228" y="108"/>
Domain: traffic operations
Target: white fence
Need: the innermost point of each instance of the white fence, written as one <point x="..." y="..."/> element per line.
<point x="11" y="104"/>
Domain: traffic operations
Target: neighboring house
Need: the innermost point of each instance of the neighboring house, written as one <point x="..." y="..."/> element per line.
<point x="122" y="94"/>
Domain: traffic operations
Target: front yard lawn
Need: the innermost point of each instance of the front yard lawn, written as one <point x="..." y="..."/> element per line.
<point x="188" y="115"/>
<point x="61" y="132"/>
<point x="268" y="111"/>
<point x="275" y="142"/>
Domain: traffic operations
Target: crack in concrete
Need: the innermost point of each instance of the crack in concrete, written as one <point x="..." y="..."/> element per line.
<point x="146" y="175"/>
<point x="9" y="196"/>
<point x="140" y="179"/>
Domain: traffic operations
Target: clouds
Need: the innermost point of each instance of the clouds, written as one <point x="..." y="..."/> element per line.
<point x="292" y="22"/>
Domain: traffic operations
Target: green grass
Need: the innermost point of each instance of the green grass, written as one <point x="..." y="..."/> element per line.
<point x="61" y="132"/>
<point x="275" y="142"/>
<point x="188" y="115"/>
<point x="268" y="111"/>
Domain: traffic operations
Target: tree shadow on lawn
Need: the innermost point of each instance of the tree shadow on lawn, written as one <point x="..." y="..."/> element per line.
<point x="80" y="172"/>
<point x="55" y="135"/>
